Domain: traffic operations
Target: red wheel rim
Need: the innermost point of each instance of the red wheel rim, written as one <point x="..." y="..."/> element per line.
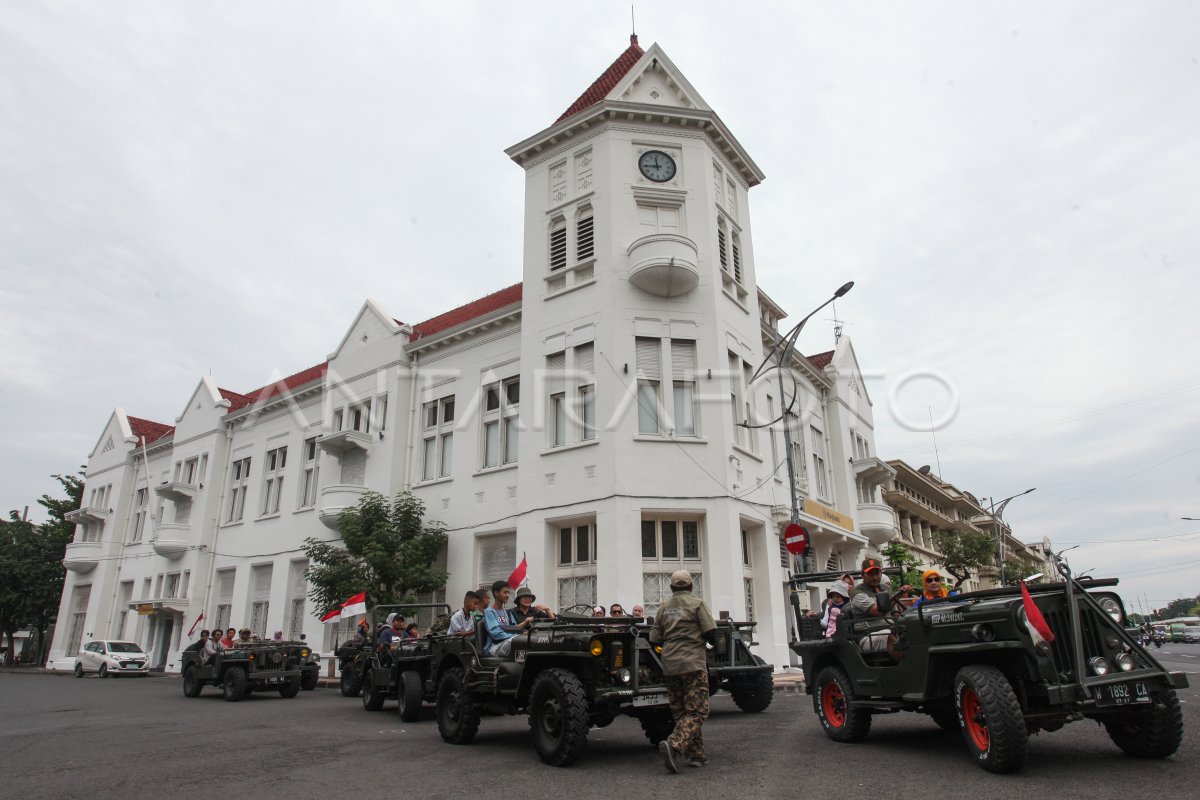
<point x="833" y="704"/>
<point x="974" y="719"/>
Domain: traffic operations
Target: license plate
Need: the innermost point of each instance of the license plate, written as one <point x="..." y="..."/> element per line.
<point x="1121" y="694"/>
<point x="657" y="699"/>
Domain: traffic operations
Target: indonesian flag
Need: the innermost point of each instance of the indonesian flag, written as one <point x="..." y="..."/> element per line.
<point x="355" y="605"/>
<point x="192" y="629"/>
<point x="518" y="575"/>
<point x="332" y="616"/>
<point x="1039" y="631"/>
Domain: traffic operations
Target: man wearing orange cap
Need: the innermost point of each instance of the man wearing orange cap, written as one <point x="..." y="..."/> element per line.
<point x="864" y="601"/>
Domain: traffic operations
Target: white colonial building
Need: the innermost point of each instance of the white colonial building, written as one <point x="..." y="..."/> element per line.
<point x="589" y="417"/>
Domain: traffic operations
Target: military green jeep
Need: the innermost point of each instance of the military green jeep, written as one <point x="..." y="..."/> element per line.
<point x="973" y="663"/>
<point x="401" y="671"/>
<point x="568" y="675"/>
<point x="731" y="666"/>
<point x="247" y="667"/>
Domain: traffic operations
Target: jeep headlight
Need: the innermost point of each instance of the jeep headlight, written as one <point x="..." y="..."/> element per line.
<point x="1113" y="609"/>
<point x="1099" y="665"/>
<point x="304" y="654"/>
<point x="597" y="647"/>
<point x="624" y="676"/>
<point x="1124" y="661"/>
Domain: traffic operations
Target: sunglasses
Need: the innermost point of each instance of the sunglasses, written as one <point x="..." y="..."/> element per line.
<point x="933" y="580"/>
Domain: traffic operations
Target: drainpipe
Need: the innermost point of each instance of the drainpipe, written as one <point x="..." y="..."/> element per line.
<point x="413" y="365"/>
<point x="212" y="551"/>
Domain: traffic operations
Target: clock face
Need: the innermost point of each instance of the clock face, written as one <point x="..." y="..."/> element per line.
<point x="657" y="166"/>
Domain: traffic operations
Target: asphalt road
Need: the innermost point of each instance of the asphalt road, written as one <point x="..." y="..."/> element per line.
<point x="132" y="738"/>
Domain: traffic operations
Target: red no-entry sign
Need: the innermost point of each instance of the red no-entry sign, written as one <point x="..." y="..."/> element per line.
<point x="795" y="538"/>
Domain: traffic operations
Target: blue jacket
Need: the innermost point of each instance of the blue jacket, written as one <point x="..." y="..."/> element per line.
<point x="493" y="620"/>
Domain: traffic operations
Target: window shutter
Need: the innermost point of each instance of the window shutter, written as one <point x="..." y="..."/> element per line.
<point x="584" y="242"/>
<point x="225" y="585"/>
<point x="683" y="360"/>
<point x="497" y="557"/>
<point x="649" y="360"/>
<point x="558" y="247"/>
<point x="585" y="363"/>
<point x="262" y="583"/>
<point x="556" y="368"/>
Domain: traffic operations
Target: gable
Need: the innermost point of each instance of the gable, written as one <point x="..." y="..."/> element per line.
<point x="370" y="324"/>
<point x="655" y="80"/>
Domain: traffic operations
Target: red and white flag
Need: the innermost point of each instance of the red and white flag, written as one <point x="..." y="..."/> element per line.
<point x="332" y="616"/>
<point x="192" y="629"/>
<point x="518" y="575"/>
<point x="355" y="605"/>
<point x="1039" y="631"/>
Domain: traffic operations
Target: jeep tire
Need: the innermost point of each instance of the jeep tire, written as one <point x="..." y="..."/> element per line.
<point x="235" y="684"/>
<point x="990" y="715"/>
<point x="832" y="697"/>
<point x="290" y="687"/>
<point x="753" y="693"/>
<point x="558" y="717"/>
<point x="350" y="683"/>
<point x="409" y="694"/>
<point x="309" y="679"/>
<point x="1154" y="732"/>
<point x="457" y="709"/>
<point x="371" y="696"/>
<point x="657" y="725"/>
<point x="191" y="684"/>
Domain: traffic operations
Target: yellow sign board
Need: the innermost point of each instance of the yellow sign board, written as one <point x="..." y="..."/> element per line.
<point x="827" y="514"/>
<point x="145" y="608"/>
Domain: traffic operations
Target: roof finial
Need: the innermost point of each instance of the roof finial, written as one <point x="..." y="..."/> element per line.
<point x="632" y="26"/>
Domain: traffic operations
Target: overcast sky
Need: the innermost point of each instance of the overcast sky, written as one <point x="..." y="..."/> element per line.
<point x="215" y="187"/>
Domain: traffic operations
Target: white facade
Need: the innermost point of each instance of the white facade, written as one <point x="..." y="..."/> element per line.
<point x="586" y="418"/>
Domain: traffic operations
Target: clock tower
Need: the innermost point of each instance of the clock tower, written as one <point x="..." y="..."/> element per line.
<point x="639" y="327"/>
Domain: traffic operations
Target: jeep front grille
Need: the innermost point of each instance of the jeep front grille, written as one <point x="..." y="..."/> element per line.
<point x="1092" y="627"/>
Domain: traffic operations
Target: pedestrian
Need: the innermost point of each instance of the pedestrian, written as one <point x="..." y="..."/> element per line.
<point x="682" y="625"/>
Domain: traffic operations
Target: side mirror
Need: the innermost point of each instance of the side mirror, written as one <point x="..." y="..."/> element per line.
<point x="884" y="602"/>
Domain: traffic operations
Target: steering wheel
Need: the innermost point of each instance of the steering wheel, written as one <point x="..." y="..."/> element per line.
<point x="583" y="609"/>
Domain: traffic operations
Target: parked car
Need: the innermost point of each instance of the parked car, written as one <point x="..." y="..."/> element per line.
<point x="109" y="658"/>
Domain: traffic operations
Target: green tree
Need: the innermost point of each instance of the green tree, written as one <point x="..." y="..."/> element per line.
<point x="964" y="552"/>
<point x="897" y="554"/>
<point x="1179" y="608"/>
<point x="31" y="570"/>
<point x="387" y="550"/>
<point x="1017" y="566"/>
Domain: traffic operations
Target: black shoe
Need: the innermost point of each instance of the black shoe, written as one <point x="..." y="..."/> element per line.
<point x="668" y="754"/>
<point x="702" y="761"/>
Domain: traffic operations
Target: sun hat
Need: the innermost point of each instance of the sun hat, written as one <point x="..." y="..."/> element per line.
<point x="681" y="578"/>
<point x="525" y="591"/>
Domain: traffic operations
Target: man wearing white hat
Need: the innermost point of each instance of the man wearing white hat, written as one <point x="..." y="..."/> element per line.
<point x="682" y="624"/>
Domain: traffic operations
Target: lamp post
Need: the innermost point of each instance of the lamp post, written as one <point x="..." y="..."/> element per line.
<point x="781" y="352"/>
<point x="997" y="512"/>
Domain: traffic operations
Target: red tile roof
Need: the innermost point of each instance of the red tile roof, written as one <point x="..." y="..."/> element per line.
<point x="150" y="431"/>
<point x="287" y="384"/>
<point x="821" y="360"/>
<point x="607" y="80"/>
<point x="473" y="310"/>
<point x="236" y="400"/>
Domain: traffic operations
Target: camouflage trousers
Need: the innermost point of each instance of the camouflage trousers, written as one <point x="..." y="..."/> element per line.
<point x="688" y="696"/>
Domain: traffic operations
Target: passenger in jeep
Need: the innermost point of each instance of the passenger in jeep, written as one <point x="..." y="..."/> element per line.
<point x="462" y="622"/>
<point x="524" y="606"/>
<point x="864" y="601"/>
<point x="501" y="627"/>
<point x="935" y="589"/>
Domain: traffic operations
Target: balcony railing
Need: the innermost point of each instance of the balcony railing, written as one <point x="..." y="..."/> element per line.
<point x="171" y="539"/>
<point x="335" y="500"/>
<point x="664" y="264"/>
<point x="82" y="557"/>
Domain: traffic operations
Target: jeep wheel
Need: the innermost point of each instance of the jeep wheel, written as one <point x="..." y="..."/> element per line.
<point x="714" y="685"/>
<point x="103" y="673"/>
<point x="991" y="719"/>
<point x="308" y="680"/>
<point x="657" y="725"/>
<point x="78" y="670"/>
<point x="409" y="695"/>
<point x="191" y="684"/>
<point x="558" y="717"/>
<point x="457" y="709"/>
<point x="372" y="697"/>
<point x="1154" y="732"/>
<point x="832" y="696"/>
<point x="754" y="693"/>
<point x="235" y="684"/>
<point x="350" y="684"/>
<point x="290" y="687"/>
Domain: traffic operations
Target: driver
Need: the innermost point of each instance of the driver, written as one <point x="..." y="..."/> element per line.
<point x="865" y="602"/>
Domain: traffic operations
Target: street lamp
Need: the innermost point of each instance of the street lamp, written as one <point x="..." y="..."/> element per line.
<point x="997" y="512"/>
<point x="781" y="352"/>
